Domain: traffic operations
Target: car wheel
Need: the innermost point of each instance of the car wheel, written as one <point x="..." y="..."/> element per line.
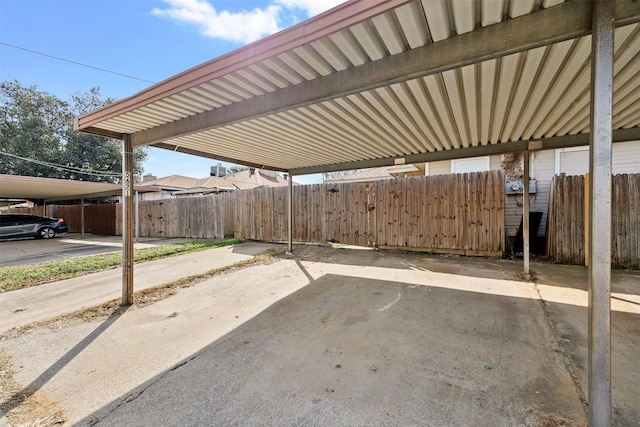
<point x="46" y="233"/>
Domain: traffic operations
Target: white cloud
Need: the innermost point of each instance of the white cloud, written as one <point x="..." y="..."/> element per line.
<point x="239" y="27"/>
<point x="312" y="7"/>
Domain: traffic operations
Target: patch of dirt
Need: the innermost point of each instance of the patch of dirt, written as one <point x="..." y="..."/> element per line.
<point x="24" y="406"/>
<point x="560" y="420"/>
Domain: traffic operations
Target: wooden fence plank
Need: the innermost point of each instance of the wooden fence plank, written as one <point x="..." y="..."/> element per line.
<point x="566" y="216"/>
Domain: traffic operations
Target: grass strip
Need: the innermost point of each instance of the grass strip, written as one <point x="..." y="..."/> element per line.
<point x="23" y="276"/>
<point x="23" y="406"/>
<point x="141" y="298"/>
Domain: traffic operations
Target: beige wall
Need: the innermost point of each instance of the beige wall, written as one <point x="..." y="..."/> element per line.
<point x="443" y="167"/>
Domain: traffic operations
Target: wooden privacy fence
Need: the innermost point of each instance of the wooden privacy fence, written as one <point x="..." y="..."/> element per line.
<point x="566" y="220"/>
<point x="98" y="219"/>
<point x="461" y="213"/>
<point x="206" y="217"/>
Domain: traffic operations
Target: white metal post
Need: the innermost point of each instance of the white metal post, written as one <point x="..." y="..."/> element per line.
<point x="290" y="209"/>
<point x="137" y="216"/>
<point x="600" y="215"/>
<point x="525" y="213"/>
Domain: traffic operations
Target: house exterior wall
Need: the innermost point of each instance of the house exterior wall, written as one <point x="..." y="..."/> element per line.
<point x="542" y="170"/>
<point x="575" y="161"/>
<point x="546" y="164"/>
<point x="626" y="157"/>
<point x="443" y="167"/>
<point x="155" y="195"/>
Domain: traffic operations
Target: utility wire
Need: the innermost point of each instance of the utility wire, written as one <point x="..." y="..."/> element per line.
<point x="76" y="63"/>
<point x="65" y="168"/>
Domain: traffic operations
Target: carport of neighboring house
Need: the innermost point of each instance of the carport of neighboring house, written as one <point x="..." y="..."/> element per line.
<point x="46" y="190"/>
<point x="388" y="82"/>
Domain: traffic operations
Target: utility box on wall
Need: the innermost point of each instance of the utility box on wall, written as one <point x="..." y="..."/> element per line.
<point x="517" y="187"/>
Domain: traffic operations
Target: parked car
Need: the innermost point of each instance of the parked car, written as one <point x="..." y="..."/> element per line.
<point x="21" y="225"/>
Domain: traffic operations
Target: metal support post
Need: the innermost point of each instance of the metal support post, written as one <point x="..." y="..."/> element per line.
<point x="82" y="217"/>
<point x="127" y="221"/>
<point x="137" y="216"/>
<point x="525" y="212"/>
<point x="599" y="395"/>
<point x="290" y="206"/>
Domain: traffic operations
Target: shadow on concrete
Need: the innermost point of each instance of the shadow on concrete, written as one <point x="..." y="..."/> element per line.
<point x="352" y="351"/>
<point x="571" y="325"/>
<point x="565" y="276"/>
<point x="253" y="248"/>
<point x="16" y="399"/>
<point x="576" y="277"/>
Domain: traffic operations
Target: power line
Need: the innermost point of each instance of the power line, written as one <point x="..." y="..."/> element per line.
<point x="76" y="63"/>
<point x="65" y="168"/>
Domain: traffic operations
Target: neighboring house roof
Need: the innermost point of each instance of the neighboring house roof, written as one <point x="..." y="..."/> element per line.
<point x="238" y="181"/>
<point x="203" y="191"/>
<point x="173" y="182"/>
<point x="375" y="174"/>
<point x="258" y="178"/>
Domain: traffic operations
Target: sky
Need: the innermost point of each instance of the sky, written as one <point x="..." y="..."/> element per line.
<point x="125" y="46"/>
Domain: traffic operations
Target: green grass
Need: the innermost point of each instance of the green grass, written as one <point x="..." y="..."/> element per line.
<point x="23" y="276"/>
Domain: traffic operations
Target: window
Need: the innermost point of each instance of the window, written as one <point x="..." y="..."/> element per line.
<point x="475" y="164"/>
<point x="572" y="161"/>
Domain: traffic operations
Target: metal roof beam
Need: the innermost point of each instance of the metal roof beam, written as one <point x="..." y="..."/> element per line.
<point x="563" y="22"/>
<point x="551" y="143"/>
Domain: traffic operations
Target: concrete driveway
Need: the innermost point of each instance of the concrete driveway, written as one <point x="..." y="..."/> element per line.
<point x="343" y="337"/>
<point x="67" y="245"/>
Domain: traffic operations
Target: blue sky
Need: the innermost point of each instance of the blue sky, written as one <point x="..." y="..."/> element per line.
<point x="146" y="39"/>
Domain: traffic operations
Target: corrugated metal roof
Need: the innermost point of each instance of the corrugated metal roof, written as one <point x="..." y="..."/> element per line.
<point x="537" y="93"/>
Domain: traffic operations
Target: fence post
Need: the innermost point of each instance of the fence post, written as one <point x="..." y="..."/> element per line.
<point x="82" y="216"/>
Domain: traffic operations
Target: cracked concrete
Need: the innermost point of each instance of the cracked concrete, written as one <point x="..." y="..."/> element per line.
<point x="304" y="342"/>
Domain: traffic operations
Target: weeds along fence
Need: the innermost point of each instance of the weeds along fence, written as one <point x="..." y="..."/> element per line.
<point x="567" y="221"/>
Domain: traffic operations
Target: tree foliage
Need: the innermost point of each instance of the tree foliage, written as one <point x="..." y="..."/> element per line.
<point x="333" y="175"/>
<point x="38" y="126"/>
<point x="236" y="169"/>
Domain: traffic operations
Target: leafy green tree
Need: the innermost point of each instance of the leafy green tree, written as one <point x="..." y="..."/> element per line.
<point x="33" y="126"/>
<point x="38" y="126"/>
<point x="236" y="169"/>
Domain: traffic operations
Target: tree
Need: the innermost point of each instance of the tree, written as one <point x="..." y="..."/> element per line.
<point x="333" y="175"/>
<point x="38" y="127"/>
<point x="236" y="168"/>
<point x="33" y="124"/>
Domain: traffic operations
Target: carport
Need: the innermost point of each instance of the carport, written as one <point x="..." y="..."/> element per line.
<point x="384" y="82"/>
<point x="48" y="190"/>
